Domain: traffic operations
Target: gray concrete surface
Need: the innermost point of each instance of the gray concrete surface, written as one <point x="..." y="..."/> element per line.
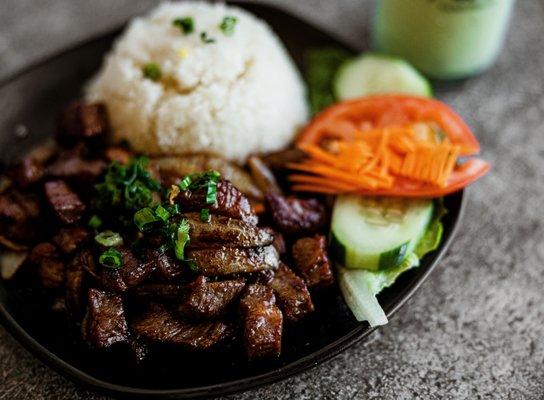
<point x="476" y="328"/>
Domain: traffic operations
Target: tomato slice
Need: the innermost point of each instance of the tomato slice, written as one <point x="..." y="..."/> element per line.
<point x="344" y="119"/>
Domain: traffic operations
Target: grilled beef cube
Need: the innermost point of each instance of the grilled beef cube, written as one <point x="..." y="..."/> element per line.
<point x="262" y="322"/>
<point x="50" y="267"/>
<point x="27" y="171"/>
<point x="205" y="299"/>
<point x="157" y="324"/>
<point x="105" y="323"/>
<point x="130" y="274"/>
<point x="292" y="294"/>
<point x="225" y="231"/>
<point x="78" y="121"/>
<point x="312" y="261"/>
<point x="230" y="202"/>
<point x="65" y="203"/>
<point x="166" y="267"/>
<point x="69" y="239"/>
<point x="158" y="291"/>
<point x="75" y="275"/>
<point x="76" y="168"/>
<point x="294" y="216"/>
<point x="232" y="260"/>
<point x="19" y="213"/>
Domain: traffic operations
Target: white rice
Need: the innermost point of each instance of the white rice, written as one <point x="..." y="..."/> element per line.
<point x="235" y="97"/>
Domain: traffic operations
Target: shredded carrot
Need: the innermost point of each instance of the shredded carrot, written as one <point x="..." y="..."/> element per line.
<point x="371" y="158"/>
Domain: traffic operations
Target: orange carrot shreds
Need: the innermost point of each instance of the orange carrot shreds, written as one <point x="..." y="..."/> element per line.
<point x="372" y="159"/>
<point x="314" y="189"/>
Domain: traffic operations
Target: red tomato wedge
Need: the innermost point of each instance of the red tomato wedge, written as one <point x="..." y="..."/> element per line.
<point x="375" y="146"/>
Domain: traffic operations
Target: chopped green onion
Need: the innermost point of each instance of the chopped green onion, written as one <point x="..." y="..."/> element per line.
<point x="227" y="25"/>
<point x="145" y="217"/>
<point x="185" y="182"/>
<point x="152" y="71"/>
<point x="109" y="239"/>
<point x="173" y="209"/>
<point x="162" y="213"/>
<point x="185" y="24"/>
<point x="111" y="258"/>
<point x="205" y="38"/>
<point x="182" y="238"/>
<point x="95" y="222"/>
<point x="211" y="193"/>
<point x="205" y="215"/>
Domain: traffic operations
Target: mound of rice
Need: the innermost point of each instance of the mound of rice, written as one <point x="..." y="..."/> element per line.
<point x="238" y="95"/>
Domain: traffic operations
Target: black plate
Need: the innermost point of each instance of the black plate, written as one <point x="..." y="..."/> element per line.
<point x="31" y="99"/>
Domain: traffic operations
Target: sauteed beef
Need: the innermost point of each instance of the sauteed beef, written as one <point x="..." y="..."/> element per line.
<point x="145" y="255"/>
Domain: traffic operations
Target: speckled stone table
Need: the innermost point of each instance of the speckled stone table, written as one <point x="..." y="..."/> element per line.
<point x="476" y="328"/>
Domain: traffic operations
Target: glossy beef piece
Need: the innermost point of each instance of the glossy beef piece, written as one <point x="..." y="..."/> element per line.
<point x="231" y="260"/>
<point x="19" y="214"/>
<point x="312" y="261"/>
<point x="27" y="171"/>
<point x="79" y="121"/>
<point x="75" y="167"/>
<point x="279" y="243"/>
<point x="130" y="274"/>
<point x="295" y="216"/>
<point x="262" y="322"/>
<point x="69" y="239"/>
<point x="230" y="202"/>
<point x="225" y="231"/>
<point x="159" y="325"/>
<point x="105" y="323"/>
<point x="50" y="267"/>
<point x="292" y="294"/>
<point x="166" y="267"/>
<point x="158" y="291"/>
<point x="205" y="299"/>
<point x="65" y="203"/>
<point x="75" y="276"/>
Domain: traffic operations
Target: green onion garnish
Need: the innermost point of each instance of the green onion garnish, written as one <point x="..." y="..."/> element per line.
<point x="95" y="222"/>
<point x="205" y="38"/>
<point x="111" y="258"/>
<point x="211" y="193"/>
<point x="182" y="238"/>
<point x="162" y="213"/>
<point x="227" y="25"/>
<point x="192" y="265"/>
<point x="173" y="209"/>
<point x="109" y="239"/>
<point x="205" y="215"/>
<point x="185" y="182"/>
<point x="185" y="24"/>
<point x="152" y="71"/>
<point x="145" y="217"/>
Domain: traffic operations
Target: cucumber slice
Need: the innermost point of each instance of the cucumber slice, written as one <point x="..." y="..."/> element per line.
<point x="377" y="233"/>
<point x="377" y="74"/>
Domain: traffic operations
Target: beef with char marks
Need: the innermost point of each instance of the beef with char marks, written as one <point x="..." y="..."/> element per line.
<point x="233" y="260"/>
<point x="160" y="325"/>
<point x="230" y="202"/>
<point x="132" y="272"/>
<point x="295" y="216"/>
<point x="50" y="267"/>
<point x="203" y="299"/>
<point x="262" y="322"/>
<point x="105" y="322"/>
<point x="69" y="239"/>
<point x="312" y="261"/>
<point x="292" y="294"/>
<point x="19" y="214"/>
<point x="76" y="271"/>
<point x="79" y="121"/>
<point x="66" y="204"/>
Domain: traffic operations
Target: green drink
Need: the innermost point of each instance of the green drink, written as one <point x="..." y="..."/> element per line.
<point x="445" y="39"/>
